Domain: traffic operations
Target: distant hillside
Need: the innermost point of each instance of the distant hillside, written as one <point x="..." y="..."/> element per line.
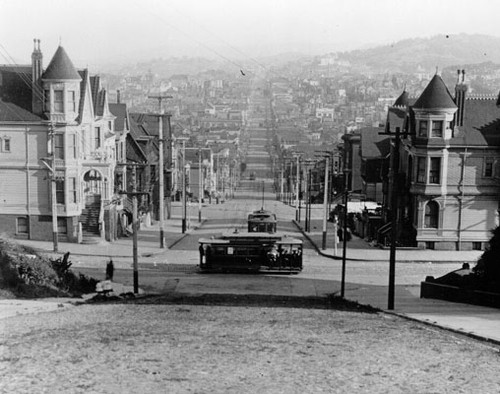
<point x="438" y="51"/>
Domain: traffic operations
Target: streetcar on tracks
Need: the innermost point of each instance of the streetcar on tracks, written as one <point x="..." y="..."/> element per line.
<point x="251" y="252"/>
<point x="262" y="221"/>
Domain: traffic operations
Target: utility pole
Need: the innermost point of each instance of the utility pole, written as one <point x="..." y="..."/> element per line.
<point x="297" y="191"/>
<point x="394" y="176"/>
<point x="161" y="187"/>
<point x="184" y="208"/>
<point x="325" y="202"/>
<point x="344" y="235"/>
<point x="200" y="185"/>
<point x="169" y="169"/>
<point x="53" y="186"/>
<point x="55" y="230"/>
<point x="134" y="230"/>
<point x="281" y="185"/>
<point x="394" y="221"/>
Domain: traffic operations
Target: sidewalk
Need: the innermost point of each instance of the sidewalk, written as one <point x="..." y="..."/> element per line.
<point x="359" y="249"/>
<point x="121" y="250"/>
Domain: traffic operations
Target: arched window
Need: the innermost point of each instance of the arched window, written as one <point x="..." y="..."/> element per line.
<point x="431" y="218"/>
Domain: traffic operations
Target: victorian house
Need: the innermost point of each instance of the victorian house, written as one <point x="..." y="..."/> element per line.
<point x="447" y="165"/>
<point x="59" y="152"/>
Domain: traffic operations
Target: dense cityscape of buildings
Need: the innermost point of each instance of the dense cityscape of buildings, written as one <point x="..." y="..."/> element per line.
<point x="71" y="149"/>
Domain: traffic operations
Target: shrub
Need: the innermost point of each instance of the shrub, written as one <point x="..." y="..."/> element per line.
<point x="488" y="265"/>
<point x="28" y="274"/>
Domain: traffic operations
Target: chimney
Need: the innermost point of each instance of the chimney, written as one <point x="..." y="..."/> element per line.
<point x="36" y="79"/>
<point x="460" y="96"/>
<point x="118" y="96"/>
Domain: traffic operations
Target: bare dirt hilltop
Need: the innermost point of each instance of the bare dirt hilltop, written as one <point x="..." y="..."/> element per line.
<point x="116" y="348"/>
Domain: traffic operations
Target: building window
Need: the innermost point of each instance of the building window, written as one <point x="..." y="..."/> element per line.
<point x="430" y="245"/>
<point x="60" y="191"/>
<point x="46" y="100"/>
<point x="6" y="144"/>
<point x="437" y="128"/>
<point x="435" y="170"/>
<point x="72" y="190"/>
<point x="58" y="101"/>
<point x="62" y="226"/>
<point x="422" y="128"/>
<point x="22" y="225"/>
<point x="97" y="138"/>
<point x="421" y="169"/>
<point x="488" y="167"/>
<point x="72" y="100"/>
<point x="431" y="215"/>
<point x="59" y="146"/>
<point x="477" y="246"/>
<point x="118" y="151"/>
<point x="110" y="125"/>
<point x="72" y="145"/>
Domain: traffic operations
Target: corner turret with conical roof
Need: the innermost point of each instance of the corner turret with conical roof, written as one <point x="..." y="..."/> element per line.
<point x="61" y="85"/>
<point x="61" y="67"/>
<point x="435" y="96"/>
<point x="402" y="101"/>
<point x="434" y="111"/>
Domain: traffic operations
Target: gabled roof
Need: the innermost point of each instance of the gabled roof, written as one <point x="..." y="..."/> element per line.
<point x="61" y="67"/>
<point x="15" y="86"/>
<point x="134" y="151"/>
<point x="10" y="112"/>
<point x="120" y="111"/>
<point x="402" y="100"/>
<point x="83" y="90"/>
<point x="149" y="122"/>
<point x="481" y="124"/>
<point x="137" y="131"/>
<point x="374" y="145"/>
<point x="435" y="95"/>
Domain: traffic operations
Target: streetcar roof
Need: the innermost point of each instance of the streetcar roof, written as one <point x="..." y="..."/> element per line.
<point x="246" y="234"/>
<point x="214" y="241"/>
<point x="227" y="237"/>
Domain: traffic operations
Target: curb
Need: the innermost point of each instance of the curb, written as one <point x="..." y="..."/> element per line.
<point x="453" y="330"/>
<point x="195" y="227"/>
<point x="316" y="247"/>
<point x="145" y="254"/>
<point x="320" y="252"/>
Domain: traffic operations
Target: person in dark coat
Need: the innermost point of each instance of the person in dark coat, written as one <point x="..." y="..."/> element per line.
<point x="340" y="234"/>
<point x="110" y="269"/>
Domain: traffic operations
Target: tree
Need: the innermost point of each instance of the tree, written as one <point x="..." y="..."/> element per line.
<point x="488" y="265"/>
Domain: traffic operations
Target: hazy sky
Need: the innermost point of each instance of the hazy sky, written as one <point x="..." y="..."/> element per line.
<point x="95" y="32"/>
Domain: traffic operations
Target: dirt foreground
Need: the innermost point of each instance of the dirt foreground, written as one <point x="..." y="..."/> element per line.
<point x="226" y="349"/>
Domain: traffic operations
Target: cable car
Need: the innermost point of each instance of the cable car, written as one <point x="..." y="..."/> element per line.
<point x="247" y="251"/>
<point x="262" y="221"/>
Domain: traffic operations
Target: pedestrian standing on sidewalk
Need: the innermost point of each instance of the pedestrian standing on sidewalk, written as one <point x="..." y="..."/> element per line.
<point x="110" y="269"/>
<point x="202" y="253"/>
